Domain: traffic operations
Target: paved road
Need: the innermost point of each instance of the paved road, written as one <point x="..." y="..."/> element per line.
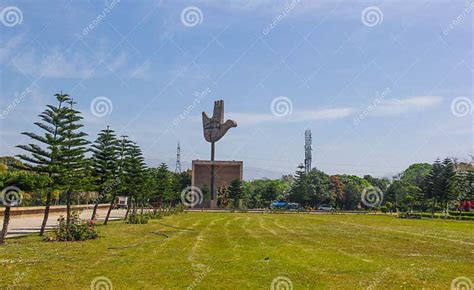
<point x="28" y="224"/>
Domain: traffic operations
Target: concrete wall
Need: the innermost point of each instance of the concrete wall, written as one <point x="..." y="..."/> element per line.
<point x="225" y="171"/>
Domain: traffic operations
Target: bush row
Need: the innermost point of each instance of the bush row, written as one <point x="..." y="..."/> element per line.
<point x="136" y="217"/>
<point x="436" y="216"/>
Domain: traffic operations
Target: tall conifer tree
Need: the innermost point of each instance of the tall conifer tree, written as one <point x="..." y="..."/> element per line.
<point x="45" y="155"/>
<point x="105" y="165"/>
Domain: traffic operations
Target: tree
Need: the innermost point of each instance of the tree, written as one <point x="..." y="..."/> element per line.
<point x="235" y="192"/>
<point x="72" y="156"/>
<point x="416" y="174"/>
<point x="165" y="184"/>
<point x="448" y="182"/>
<point x="435" y="184"/>
<point x="105" y="163"/>
<point x="337" y="191"/>
<point x="134" y="166"/>
<point x="47" y="159"/>
<point x="299" y="190"/>
<point x="319" y="183"/>
<point x="121" y="172"/>
<point x="13" y="183"/>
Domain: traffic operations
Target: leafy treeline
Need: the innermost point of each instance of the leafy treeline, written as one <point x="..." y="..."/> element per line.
<point x="440" y="186"/>
<point x="56" y="166"/>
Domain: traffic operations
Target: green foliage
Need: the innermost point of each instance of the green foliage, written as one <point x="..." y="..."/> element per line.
<point x="416" y="174"/>
<point x="137" y="218"/>
<point x="105" y="160"/>
<point x="73" y="149"/>
<point x="235" y="192"/>
<point x="75" y="230"/>
<point x="47" y="157"/>
<point x="260" y="193"/>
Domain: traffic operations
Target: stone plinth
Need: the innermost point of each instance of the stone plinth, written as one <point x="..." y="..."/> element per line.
<point x="225" y="172"/>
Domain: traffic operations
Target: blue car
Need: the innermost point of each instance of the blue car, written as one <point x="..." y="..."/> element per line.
<point x="279" y="205"/>
<point x="284" y="205"/>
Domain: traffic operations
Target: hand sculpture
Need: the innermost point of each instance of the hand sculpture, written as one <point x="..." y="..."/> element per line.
<point x="215" y="128"/>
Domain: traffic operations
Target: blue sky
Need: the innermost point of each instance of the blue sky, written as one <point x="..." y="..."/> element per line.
<point x="380" y="84"/>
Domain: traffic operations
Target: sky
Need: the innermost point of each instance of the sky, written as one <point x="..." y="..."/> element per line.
<point x="381" y="84"/>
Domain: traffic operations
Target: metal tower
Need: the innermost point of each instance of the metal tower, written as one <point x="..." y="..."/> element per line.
<point x="307" y="151"/>
<point x="178" y="160"/>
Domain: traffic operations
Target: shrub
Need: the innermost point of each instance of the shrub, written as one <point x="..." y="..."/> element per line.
<point x="408" y="215"/>
<point x="155" y="214"/>
<point x="77" y="230"/>
<point x="136" y="218"/>
<point x="383" y="209"/>
<point x="463" y="213"/>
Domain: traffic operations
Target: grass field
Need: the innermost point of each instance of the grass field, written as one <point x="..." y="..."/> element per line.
<point x="250" y="250"/>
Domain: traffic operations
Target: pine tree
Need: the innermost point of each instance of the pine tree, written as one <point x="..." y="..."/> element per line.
<point x="165" y="183"/>
<point x="134" y="166"/>
<point x="47" y="159"/>
<point x="121" y="173"/>
<point x="434" y="184"/>
<point x="448" y="182"/>
<point x="73" y="149"/>
<point x="105" y="156"/>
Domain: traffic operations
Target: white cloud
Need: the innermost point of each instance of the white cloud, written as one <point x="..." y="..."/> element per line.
<point x="295" y="116"/>
<point x="400" y="106"/>
<point x="142" y="72"/>
<point x="55" y="64"/>
<point x="9" y="47"/>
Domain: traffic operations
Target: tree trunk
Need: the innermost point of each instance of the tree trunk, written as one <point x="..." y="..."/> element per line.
<point x="46" y="213"/>
<point x="68" y="208"/>
<point x="110" y="209"/>
<point x="433" y="208"/>
<point x="6" y="221"/>
<point x="129" y="205"/>
<point x="94" y="211"/>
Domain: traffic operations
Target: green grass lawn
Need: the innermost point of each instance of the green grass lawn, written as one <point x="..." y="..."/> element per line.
<point x="249" y="250"/>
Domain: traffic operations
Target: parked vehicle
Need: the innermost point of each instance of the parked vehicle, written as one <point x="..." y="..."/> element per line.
<point x="121" y="202"/>
<point x="325" y="207"/>
<point x="284" y="205"/>
<point x="279" y="205"/>
<point x="293" y="206"/>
